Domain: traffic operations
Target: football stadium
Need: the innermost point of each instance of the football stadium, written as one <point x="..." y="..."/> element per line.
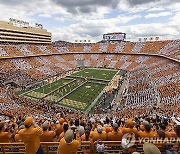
<point x="75" y="84"/>
<point x="77" y="90"/>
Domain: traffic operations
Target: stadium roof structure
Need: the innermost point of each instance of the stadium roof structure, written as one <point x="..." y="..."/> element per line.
<point x="10" y="33"/>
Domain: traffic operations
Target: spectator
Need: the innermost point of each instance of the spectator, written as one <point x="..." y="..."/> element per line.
<point x="17" y="137"/>
<point x="79" y="128"/>
<point x="150" y="148"/>
<point x="177" y="130"/>
<point x="59" y="126"/>
<point x="86" y="135"/>
<point x="47" y="136"/>
<point x="65" y="128"/>
<point x="30" y="137"/>
<point x="98" y="134"/>
<point x="4" y="136"/>
<point x="115" y="135"/>
<point x="147" y="131"/>
<point x="69" y="145"/>
<point x="129" y="127"/>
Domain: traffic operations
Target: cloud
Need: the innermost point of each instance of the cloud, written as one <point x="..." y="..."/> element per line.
<point x="60" y="19"/>
<point x="174" y="7"/>
<point x="92" y="29"/>
<point x="12" y="2"/>
<point x="140" y="2"/>
<point x="45" y="15"/>
<point x="85" y="6"/>
<point x="26" y="9"/>
<point x="146" y="30"/>
<point x="152" y="3"/>
<point x="135" y="6"/>
<point x="156" y="9"/>
<point x="91" y="18"/>
<point x="170" y="29"/>
<point x="156" y="15"/>
<point x="175" y="22"/>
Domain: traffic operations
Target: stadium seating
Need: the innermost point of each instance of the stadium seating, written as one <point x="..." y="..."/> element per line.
<point x="151" y="78"/>
<point x="48" y="147"/>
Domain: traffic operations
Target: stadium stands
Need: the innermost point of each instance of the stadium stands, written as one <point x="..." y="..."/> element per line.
<point x="150" y="99"/>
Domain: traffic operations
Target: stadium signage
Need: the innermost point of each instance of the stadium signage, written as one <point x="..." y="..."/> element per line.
<point x="159" y="140"/>
<point x="21" y="23"/>
<point x="114" y="36"/>
<point x="128" y="140"/>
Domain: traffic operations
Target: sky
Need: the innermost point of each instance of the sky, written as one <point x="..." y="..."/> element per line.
<point x="71" y="20"/>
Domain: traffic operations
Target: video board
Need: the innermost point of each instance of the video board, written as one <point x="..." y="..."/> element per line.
<point x="114" y="36"/>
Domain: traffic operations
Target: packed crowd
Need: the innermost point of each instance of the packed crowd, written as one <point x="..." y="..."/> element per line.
<point x="169" y="48"/>
<point x="145" y="123"/>
<point x="149" y="79"/>
<point x="45" y="66"/>
<point x="145" y="84"/>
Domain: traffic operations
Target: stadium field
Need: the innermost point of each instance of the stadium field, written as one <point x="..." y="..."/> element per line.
<point x="52" y="86"/>
<point x="80" y="91"/>
<point x="85" y="95"/>
<point x="98" y="73"/>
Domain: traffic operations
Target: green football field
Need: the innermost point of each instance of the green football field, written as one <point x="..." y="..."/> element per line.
<point x="106" y="74"/>
<point x="80" y="91"/>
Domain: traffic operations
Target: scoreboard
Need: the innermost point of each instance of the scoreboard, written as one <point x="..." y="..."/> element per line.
<point x="114" y="36"/>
